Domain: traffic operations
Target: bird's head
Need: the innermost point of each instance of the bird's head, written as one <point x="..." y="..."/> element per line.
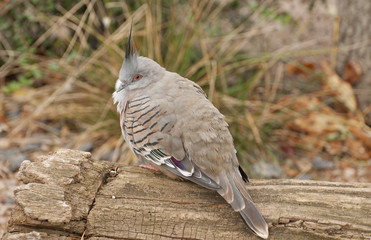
<point x="136" y="72"/>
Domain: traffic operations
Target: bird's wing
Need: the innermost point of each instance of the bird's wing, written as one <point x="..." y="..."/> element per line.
<point x="149" y="127"/>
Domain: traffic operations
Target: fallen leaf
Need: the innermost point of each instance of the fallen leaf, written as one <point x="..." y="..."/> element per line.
<point x="309" y="143"/>
<point x="304" y="103"/>
<point x="316" y="123"/>
<point x="335" y="147"/>
<point x="352" y="73"/>
<point x="290" y="172"/>
<point x="363" y="134"/>
<point x="356" y="149"/>
<point x="300" y="68"/>
<point x="2" y="118"/>
<point x="341" y="89"/>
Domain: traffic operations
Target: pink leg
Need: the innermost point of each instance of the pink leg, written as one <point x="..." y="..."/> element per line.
<point x="148" y="167"/>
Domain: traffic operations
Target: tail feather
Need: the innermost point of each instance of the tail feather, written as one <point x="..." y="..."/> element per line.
<point x="254" y="220"/>
<point x="238" y="202"/>
<point x="235" y="193"/>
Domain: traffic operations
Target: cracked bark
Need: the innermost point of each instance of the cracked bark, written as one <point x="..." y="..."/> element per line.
<point x="68" y="195"/>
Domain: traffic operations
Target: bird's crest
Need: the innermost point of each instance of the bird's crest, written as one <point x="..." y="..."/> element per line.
<point x="130" y="47"/>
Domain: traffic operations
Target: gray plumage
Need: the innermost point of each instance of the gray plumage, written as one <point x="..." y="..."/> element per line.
<point x="169" y="123"/>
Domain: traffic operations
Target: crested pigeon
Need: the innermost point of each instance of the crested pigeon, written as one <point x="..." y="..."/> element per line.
<point x="169" y="124"/>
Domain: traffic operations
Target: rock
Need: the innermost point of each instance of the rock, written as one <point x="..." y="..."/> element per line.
<point x="319" y="163"/>
<point x="7" y="153"/>
<point x="42" y="139"/>
<point x="267" y="169"/>
<point x="305" y="177"/>
<point x="15" y="161"/>
<point x="108" y="155"/>
<point x="86" y="147"/>
<point x="13" y="157"/>
<point x="9" y="200"/>
<point x="31" y="147"/>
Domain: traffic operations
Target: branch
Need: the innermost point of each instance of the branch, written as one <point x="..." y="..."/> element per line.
<point x="67" y="194"/>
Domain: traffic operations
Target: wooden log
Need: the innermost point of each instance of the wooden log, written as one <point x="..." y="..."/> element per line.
<point x="67" y="195"/>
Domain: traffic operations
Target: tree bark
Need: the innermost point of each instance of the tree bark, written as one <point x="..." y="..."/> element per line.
<point x="355" y="30"/>
<point x="67" y="195"/>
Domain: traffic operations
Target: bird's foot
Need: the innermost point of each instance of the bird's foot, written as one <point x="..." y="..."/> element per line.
<point x="148" y="167"/>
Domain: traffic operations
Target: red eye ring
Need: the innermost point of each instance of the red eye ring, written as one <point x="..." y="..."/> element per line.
<point x="137" y="77"/>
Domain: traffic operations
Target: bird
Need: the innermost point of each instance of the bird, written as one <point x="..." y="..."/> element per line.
<point x="170" y="125"/>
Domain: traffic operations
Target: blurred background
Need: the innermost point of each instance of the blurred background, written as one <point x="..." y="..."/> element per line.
<point x="292" y="78"/>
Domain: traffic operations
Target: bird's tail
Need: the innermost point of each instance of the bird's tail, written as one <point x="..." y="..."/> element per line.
<point x="235" y="193"/>
<point x="254" y="220"/>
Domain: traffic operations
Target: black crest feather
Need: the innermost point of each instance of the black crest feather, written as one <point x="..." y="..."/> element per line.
<point x="130" y="47"/>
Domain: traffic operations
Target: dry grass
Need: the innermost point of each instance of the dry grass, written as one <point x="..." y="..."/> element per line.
<point x="71" y="55"/>
<point x="187" y="37"/>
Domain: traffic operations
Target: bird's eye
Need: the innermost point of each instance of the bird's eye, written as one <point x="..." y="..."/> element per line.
<point x="137" y="77"/>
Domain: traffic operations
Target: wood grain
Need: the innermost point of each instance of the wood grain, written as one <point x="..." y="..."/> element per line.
<point x="134" y="203"/>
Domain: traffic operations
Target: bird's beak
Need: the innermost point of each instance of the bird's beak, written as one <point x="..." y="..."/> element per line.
<point x="120" y="89"/>
<point x="123" y="85"/>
